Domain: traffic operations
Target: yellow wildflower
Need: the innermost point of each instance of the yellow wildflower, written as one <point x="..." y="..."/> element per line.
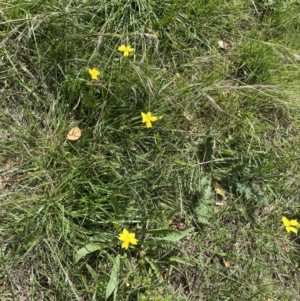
<point x="94" y="73"/>
<point x="290" y="225"/>
<point x="127" y="238"/>
<point x="126" y="49"/>
<point x="148" y="119"/>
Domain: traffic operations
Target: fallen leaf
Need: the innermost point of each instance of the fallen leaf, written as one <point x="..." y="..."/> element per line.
<point x="223" y="44"/>
<point x="219" y="190"/>
<point x="187" y="115"/>
<point x="74" y="134"/>
<point x="178" y="224"/>
<point x="286" y="245"/>
<point x="165" y="274"/>
<point x="227" y="263"/>
<point x="297" y="57"/>
<point x="286" y="248"/>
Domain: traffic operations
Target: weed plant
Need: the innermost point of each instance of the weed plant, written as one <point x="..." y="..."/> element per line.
<point x="203" y="190"/>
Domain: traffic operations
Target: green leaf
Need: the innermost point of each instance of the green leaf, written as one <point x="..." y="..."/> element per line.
<point x="115" y="204"/>
<point x="206" y="201"/>
<point x="172" y="214"/>
<point x="180" y="260"/>
<point x="170" y="217"/>
<point x="177" y="235"/>
<point x="206" y="148"/>
<point x="89" y="248"/>
<point x="103" y="237"/>
<point x="204" y="213"/>
<point x="112" y="284"/>
<point x="182" y="163"/>
<point x="173" y="235"/>
<point x="92" y="272"/>
<point x="154" y="267"/>
<point x="161" y="231"/>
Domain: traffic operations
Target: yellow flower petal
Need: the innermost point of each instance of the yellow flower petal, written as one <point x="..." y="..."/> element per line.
<point x="148" y="119"/>
<point x="127" y="238"/>
<point x="293" y="222"/>
<point x="291" y="229"/>
<point x="122" y="48"/>
<point x="123" y="235"/>
<point x="130" y="49"/>
<point x="125" y="245"/>
<point x="153" y="118"/>
<point x="132" y="239"/>
<point x="285" y="221"/>
<point x="125" y="49"/>
<point x="144" y="117"/>
<point x="94" y="73"/>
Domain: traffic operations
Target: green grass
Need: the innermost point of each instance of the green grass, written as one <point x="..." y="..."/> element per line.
<point x="230" y="120"/>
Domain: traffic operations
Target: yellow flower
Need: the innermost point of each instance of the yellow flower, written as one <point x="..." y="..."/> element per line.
<point x="290" y="225"/>
<point x="94" y="73"/>
<point x="126" y="49"/>
<point x="148" y="119"/>
<point x="127" y="238"/>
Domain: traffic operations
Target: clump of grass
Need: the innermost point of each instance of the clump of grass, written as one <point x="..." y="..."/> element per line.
<point x="203" y="190"/>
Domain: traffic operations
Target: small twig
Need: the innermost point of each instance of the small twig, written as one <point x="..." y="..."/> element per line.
<point x="255" y="87"/>
<point x="212" y="101"/>
<point x="256" y="10"/>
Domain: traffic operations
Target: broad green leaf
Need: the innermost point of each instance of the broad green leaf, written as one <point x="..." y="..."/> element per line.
<point x="206" y="201"/>
<point x="204" y="213"/>
<point x="89" y="248"/>
<point x="177" y="235"/>
<point x="161" y="231"/>
<point x="112" y="284"/>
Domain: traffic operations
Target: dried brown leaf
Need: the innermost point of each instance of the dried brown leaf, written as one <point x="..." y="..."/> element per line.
<point x="74" y="134"/>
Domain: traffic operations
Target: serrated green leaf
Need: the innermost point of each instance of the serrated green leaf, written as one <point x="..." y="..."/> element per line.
<point x="112" y="284"/>
<point x="204" y="212"/>
<point x="205" y="181"/>
<point x="208" y="195"/>
<point x="205" y="205"/>
<point x="89" y="248"/>
<point x="202" y="218"/>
